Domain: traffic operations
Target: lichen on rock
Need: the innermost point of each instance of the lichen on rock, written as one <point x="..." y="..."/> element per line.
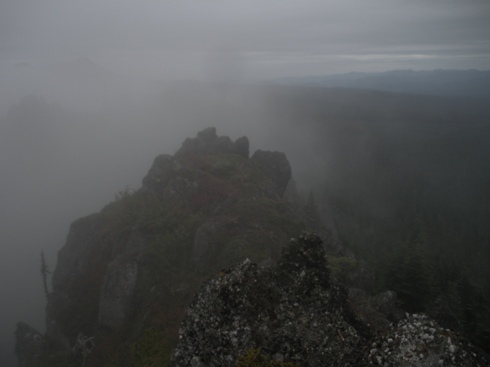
<point x="290" y="311"/>
<point x="417" y="340"/>
<point x="297" y="314"/>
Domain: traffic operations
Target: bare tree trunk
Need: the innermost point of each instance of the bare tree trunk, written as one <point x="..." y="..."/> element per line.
<point x="44" y="271"/>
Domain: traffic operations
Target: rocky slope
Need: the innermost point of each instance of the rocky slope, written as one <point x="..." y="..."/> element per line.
<point x="126" y="274"/>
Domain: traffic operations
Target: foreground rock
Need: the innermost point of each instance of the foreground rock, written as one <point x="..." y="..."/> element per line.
<point x="295" y="312"/>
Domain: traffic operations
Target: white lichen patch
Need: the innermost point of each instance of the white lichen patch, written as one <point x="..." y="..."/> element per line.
<point x="418" y="340"/>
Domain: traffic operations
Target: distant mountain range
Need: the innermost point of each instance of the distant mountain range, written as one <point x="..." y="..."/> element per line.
<point x="447" y="83"/>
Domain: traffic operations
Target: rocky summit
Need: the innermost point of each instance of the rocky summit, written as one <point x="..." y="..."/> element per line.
<point x="202" y="247"/>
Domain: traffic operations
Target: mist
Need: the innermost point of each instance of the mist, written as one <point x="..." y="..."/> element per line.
<point x="62" y="159"/>
<point x="91" y="93"/>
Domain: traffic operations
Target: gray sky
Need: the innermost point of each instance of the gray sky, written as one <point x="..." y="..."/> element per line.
<point x="251" y="38"/>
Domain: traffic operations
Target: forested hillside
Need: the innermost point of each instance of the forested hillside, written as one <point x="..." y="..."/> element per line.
<point x="448" y="83"/>
<point x="405" y="184"/>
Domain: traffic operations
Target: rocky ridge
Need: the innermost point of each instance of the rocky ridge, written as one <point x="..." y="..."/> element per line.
<point x="126" y="276"/>
<point x="134" y="266"/>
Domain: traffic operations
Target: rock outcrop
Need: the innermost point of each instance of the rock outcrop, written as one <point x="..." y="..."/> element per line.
<point x="116" y="294"/>
<point x="164" y="168"/>
<point x="208" y="142"/>
<point x="135" y="265"/>
<point x="294" y="312"/>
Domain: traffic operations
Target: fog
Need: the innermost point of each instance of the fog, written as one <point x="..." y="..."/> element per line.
<point x="191" y="40"/>
<point x="91" y="92"/>
<point x="62" y="159"/>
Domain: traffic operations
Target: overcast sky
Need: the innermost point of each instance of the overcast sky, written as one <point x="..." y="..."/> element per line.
<point x="255" y="38"/>
<point x="179" y="39"/>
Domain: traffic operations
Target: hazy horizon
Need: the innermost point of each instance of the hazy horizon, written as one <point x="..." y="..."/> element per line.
<point x="248" y="40"/>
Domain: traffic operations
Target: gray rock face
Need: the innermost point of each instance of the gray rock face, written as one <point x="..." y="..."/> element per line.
<point x="163" y="169"/>
<point x="277" y="168"/>
<point x="85" y="252"/>
<point x="73" y="259"/>
<point x="170" y="177"/>
<point x="294" y="312"/>
<point x="116" y="297"/>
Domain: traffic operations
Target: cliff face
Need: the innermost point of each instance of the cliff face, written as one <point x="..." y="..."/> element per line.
<point x="134" y="266"/>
